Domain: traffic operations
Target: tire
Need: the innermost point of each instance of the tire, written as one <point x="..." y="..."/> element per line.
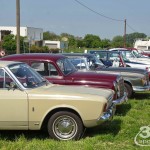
<point x="64" y="125"/>
<point x="129" y="90"/>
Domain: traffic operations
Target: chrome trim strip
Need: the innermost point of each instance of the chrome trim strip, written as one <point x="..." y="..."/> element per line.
<point x="121" y="100"/>
<point x="141" y="88"/>
<point x="108" y="115"/>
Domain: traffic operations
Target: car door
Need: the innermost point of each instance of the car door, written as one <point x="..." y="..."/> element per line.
<point x="13" y="105"/>
<point x="49" y="71"/>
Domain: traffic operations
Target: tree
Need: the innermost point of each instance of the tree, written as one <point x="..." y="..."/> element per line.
<point x="66" y="35"/>
<point x="72" y="42"/>
<point x="50" y="36"/>
<point x="22" y="44"/>
<point x="9" y="43"/>
<point x="92" y="41"/>
<point x="118" y="41"/>
<point x="37" y="49"/>
<point x="106" y="43"/>
<point x="130" y="38"/>
<point x="80" y="43"/>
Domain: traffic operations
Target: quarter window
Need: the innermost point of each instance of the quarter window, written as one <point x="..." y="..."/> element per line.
<point x="5" y="80"/>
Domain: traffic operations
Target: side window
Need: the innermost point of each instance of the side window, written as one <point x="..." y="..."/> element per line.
<point x="90" y="62"/>
<point x="78" y="63"/>
<point x="5" y="80"/>
<point x="44" y="68"/>
<point x="103" y="56"/>
<point x="52" y="70"/>
<point x="65" y="66"/>
<point x="1" y="78"/>
<point x="41" y="68"/>
<point x="114" y="57"/>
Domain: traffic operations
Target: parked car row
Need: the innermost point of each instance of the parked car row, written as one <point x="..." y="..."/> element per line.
<point x="117" y="59"/>
<point x="59" y="70"/>
<point x="29" y="102"/>
<point x="135" y="80"/>
<point x="41" y="91"/>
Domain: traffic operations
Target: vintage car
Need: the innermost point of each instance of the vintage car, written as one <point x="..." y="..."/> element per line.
<point x="116" y="59"/>
<point x="29" y="102"/>
<point x="132" y="56"/>
<point x="57" y="69"/>
<point x="145" y="52"/>
<point x="135" y="80"/>
<point x="138" y="54"/>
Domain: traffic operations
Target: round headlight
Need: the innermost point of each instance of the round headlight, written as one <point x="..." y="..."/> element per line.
<point x="144" y="81"/>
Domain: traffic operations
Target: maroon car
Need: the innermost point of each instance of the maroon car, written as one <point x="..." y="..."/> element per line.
<point x="58" y="70"/>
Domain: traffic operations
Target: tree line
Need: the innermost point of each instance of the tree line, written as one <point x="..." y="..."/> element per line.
<point x="75" y="43"/>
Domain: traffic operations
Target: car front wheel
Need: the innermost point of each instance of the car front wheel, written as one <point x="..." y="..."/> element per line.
<point x="129" y="90"/>
<point x="65" y="125"/>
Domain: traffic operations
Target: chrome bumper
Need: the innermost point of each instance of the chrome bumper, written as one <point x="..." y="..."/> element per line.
<point x="121" y="100"/>
<point x="141" y="88"/>
<point x="108" y="115"/>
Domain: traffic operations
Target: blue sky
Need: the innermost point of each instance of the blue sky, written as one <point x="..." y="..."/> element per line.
<point x="68" y="16"/>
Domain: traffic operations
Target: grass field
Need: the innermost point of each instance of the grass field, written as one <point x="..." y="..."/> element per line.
<point x="115" y="135"/>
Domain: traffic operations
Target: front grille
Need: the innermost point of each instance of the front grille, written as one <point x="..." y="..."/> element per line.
<point x="147" y="78"/>
<point x="121" y="88"/>
<point x="110" y="101"/>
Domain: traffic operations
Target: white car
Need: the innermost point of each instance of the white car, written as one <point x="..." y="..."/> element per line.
<point x="135" y="58"/>
<point x="132" y="60"/>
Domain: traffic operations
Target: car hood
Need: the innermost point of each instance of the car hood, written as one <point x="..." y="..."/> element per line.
<point x="125" y="74"/>
<point x="71" y="92"/>
<point x="93" y="75"/>
<point x="141" y="60"/>
<point x="125" y="71"/>
<point x="138" y="65"/>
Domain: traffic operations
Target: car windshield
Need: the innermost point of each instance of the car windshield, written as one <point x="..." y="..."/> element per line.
<point x="137" y="54"/>
<point x="128" y="54"/>
<point x="79" y="63"/>
<point x="97" y="61"/>
<point x="93" y="62"/>
<point x="97" y="57"/>
<point x="125" y="58"/>
<point x="66" y="66"/>
<point x="28" y="77"/>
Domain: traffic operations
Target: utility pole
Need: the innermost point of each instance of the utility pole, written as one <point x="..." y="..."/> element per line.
<point x="18" y="25"/>
<point x="125" y="22"/>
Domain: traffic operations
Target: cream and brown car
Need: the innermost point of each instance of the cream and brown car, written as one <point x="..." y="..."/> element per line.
<point x="29" y="102"/>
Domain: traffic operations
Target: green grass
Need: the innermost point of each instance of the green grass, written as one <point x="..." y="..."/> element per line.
<point x="115" y="135"/>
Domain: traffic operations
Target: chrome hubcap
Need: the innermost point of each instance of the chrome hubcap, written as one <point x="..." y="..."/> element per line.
<point x="65" y="127"/>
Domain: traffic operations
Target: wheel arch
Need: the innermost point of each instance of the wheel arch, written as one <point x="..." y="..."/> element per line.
<point x="128" y="82"/>
<point x="50" y="113"/>
<point x="129" y="89"/>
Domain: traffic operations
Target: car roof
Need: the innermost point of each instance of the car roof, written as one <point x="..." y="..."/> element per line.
<point x="117" y="49"/>
<point x="103" y="51"/>
<point x="6" y="63"/>
<point x="78" y="54"/>
<point x="37" y="56"/>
